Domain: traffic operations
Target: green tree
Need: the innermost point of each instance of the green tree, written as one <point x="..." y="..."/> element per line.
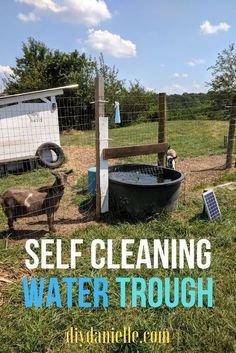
<point x="114" y="87"/>
<point x="223" y="82"/>
<point x="28" y="72"/>
<point x="40" y="68"/>
<point x="138" y="104"/>
<point x="224" y="72"/>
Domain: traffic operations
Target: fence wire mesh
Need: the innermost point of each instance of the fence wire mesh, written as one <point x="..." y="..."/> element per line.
<point x="193" y="129"/>
<point x="40" y="141"/>
<point x="197" y="131"/>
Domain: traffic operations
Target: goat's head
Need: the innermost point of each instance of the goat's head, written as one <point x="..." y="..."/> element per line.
<point x="61" y="177"/>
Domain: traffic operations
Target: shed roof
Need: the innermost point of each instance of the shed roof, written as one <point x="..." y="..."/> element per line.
<point x="22" y="97"/>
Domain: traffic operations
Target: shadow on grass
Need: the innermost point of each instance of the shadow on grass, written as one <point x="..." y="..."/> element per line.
<point x="57" y="221"/>
<point x="199" y="217"/>
<point x="221" y="167"/>
<point x="116" y="216"/>
<point x="23" y="234"/>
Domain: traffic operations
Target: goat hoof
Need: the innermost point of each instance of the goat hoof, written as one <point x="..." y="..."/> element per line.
<point x="53" y="230"/>
<point x="11" y="232"/>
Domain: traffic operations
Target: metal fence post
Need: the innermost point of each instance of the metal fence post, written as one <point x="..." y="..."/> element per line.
<point x="231" y="135"/>
<point x="99" y="111"/>
<point x="101" y="123"/>
<point x="162" y="125"/>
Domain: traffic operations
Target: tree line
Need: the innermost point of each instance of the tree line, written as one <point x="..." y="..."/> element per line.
<point x="40" y="67"/>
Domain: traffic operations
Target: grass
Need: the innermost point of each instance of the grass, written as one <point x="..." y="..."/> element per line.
<point x="192" y="330"/>
<point x="189" y="138"/>
<point x="35" y="178"/>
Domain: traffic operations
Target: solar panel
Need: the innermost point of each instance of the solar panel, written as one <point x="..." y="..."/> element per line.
<point x="211" y="204"/>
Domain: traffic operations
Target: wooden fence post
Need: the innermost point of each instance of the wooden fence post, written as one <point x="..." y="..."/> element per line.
<point x="99" y="111"/>
<point x="231" y="135"/>
<point x="162" y="125"/>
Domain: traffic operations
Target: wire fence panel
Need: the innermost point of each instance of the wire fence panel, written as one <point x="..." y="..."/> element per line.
<point x="186" y="126"/>
<point x="40" y="142"/>
<point x="197" y="130"/>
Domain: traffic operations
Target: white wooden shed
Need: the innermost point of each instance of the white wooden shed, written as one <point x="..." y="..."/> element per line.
<point x="27" y="121"/>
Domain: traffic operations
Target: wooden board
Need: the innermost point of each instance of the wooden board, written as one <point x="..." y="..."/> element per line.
<point x="20" y="159"/>
<point x="136" y="150"/>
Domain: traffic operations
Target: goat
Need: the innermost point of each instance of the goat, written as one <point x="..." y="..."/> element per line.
<point x="26" y="201"/>
<point x="170" y="158"/>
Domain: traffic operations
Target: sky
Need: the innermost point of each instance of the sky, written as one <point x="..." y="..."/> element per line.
<point x="167" y="45"/>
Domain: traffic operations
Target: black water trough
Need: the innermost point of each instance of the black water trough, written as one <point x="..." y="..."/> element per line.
<point x="140" y="190"/>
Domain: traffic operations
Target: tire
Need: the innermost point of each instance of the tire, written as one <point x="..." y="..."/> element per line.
<point x="40" y="153"/>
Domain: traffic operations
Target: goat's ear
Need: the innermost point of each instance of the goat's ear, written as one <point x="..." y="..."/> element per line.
<point x="69" y="172"/>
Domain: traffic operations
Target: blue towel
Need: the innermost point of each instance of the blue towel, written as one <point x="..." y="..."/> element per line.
<point x="117" y="113"/>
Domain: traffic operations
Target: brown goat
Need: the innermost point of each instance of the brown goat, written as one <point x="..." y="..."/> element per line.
<point x="26" y="201"/>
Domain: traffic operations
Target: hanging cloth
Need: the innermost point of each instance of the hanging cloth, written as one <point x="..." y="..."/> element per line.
<point x="117" y="113"/>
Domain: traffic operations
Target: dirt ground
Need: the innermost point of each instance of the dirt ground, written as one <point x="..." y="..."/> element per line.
<point x="203" y="169"/>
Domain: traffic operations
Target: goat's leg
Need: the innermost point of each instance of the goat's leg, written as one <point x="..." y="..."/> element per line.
<point x="51" y="227"/>
<point x="10" y="225"/>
